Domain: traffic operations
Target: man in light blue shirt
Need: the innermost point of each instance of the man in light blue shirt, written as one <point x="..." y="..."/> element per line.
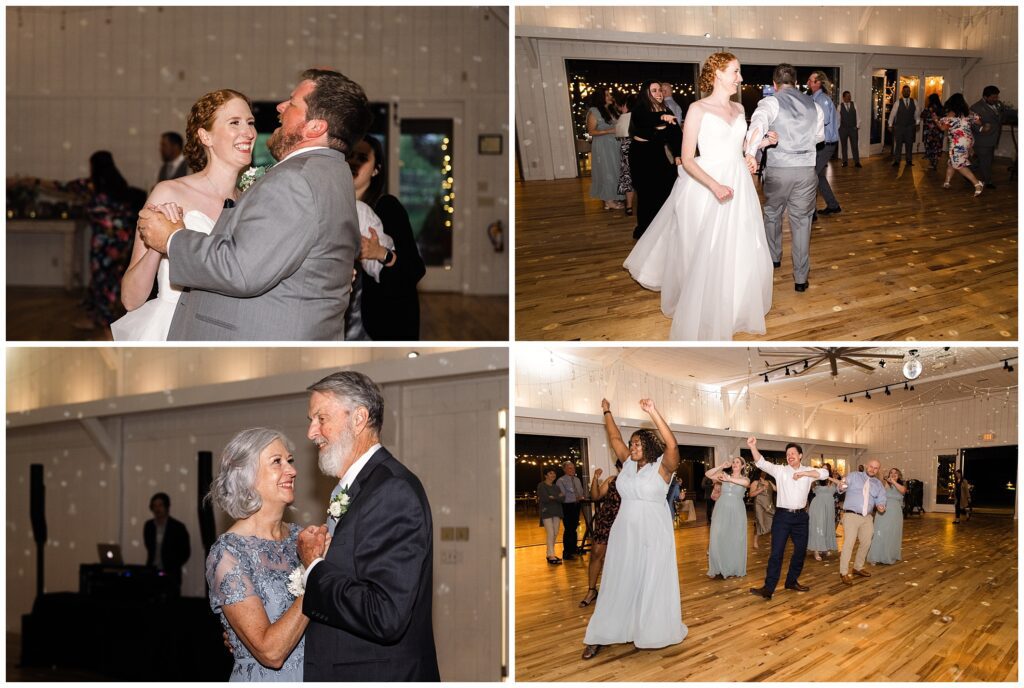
<point x="572" y="488"/>
<point x="864" y="494"/>
<point x="670" y="102"/>
<point x="819" y="84"/>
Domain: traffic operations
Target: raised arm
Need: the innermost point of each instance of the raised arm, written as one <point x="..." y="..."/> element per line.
<point x="598" y="487"/>
<point x="899" y="488"/>
<point x="670" y="459"/>
<point x="615" y="441"/>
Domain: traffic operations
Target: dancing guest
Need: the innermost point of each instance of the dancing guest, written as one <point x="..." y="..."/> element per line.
<point x="822" y="516"/>
<point x="248" y="567"/>
<point x="640" y="603"/>
<point x="864" y="495"/>
<point x="625" y="104"/>
<point x="987" y="133"/>
<point x="670" y="102"/>
<point x="549" y="500"/>
<point x="763" y="492"/>
<point x="887" y="539"/>
<point x="931" y="134"/>
<point x="390" y="304"/>
<point x="793" y="482"/>
<point x="819" y="84"/>
<point x="903" y="121"/>
<point x="727" y="551"/>
<point x="708" y="486"/>
<point x="572" y="491"/>
<point x="959" y="121"/>
<point x="961" y="496"/>
<point x="652" y="128"/>
<point x="604" y="149"/>
<point x="849" y="128"/>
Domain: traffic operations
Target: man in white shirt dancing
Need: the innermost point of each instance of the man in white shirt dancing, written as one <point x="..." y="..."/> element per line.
<point x="794" y="483"/>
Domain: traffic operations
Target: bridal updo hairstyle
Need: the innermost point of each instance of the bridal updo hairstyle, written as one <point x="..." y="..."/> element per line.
<point x="201" y="116"/>
<point x="650" y="444"/>
<point x="716" y="62"/>
<point x="232" y="490"/>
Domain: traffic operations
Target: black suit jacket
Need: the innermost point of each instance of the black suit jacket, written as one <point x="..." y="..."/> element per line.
<point x="176" y="547"/>
<point x="370" y="600"/>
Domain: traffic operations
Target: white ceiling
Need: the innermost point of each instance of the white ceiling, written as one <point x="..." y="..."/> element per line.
<point x="952" y="373"/>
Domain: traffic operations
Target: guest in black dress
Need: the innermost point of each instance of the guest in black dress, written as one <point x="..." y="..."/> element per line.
<point x="391" y="308"/>
<point x="653" y="129"/>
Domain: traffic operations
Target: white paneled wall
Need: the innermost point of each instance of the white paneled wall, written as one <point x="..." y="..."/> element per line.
<point x="85" y="79"/>
<point x="445" y="431"/>
<point x="912" y="438"/>
<point x="550" y="35"/>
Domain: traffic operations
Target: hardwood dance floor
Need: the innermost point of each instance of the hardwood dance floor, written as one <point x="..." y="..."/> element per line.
<point x="905" y="260"/>
<point x="48" y="314"/>
<point x="948" y="612"/>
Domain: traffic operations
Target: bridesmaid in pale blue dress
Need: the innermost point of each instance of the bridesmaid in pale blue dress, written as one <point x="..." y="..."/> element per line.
<point x="887" y="540"/>
<point x="727" y="551"/>
<point x="821" y="535"/>
<point x="604" y="149"/>
<point x="248" y="567"/>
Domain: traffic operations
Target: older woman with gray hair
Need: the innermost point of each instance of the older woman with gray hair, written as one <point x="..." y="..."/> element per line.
<point x="249" y="566"/>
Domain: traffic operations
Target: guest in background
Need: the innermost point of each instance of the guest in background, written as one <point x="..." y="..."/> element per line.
<point x="849" y="128"/>
<point x="819" y="85"/>
<point x="391" y="306"/>
<point x="959" y="122"/>
<point x="903" y="119"/>
<point x="166" y="538"/>
<point x="653" y="129"/>
<point x="670" y="102"/>
<point x="887" y="539"/>
<point x="727" y="548"/>
<point x="112" y="208"/>
<point x="708" y="486"/>
<point x="822" y="516"/>
<point x="549" y="500"/>
<point x="864" y="495"/>
<point x="930" y="132"/>
<point x="763" y="492"/>
<point x="572" y="491"/>
<point x="171" y="147"/>
<point x="625" y="105"/>
<point x="986" y="134"/>
<point x="604" y="149"/>
<point x="961" y="496"/>
<point x="674" y="489"/>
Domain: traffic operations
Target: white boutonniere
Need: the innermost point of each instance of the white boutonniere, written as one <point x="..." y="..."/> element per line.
<point x="251" y="175"/>
<point x="295" y="585"/>
<point x="339" y="505"/>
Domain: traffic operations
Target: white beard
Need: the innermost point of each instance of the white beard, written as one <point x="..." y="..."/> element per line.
<point x="333" y="457"/>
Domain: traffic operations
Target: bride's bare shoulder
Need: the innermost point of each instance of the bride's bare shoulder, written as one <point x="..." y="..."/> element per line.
<point x="179" y="191"/>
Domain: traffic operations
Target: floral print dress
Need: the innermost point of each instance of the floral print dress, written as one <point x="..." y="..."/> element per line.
<point x="961" y="139"/>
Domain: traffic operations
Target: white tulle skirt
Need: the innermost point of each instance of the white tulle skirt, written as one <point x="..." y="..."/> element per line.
<point x="708" y="258"/>
<point x="150" y="322"/>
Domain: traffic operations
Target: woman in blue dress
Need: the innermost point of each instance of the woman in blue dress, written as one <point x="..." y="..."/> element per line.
<point x="887" y="539"/>
<point x="249" y="566"/>
<point x="821" y="527"/>
<point x="727" y="551"/>
<point x="604" y="149"/>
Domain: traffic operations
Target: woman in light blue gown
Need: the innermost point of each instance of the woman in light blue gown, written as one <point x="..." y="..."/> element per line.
<point x="727" y="551"/>
<point x="604" y="149"/>
<point x="821" y="535"/>
<point x="887" y="540"/>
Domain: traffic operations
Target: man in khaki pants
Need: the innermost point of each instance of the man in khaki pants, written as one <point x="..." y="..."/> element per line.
<point x="864" y="493"/>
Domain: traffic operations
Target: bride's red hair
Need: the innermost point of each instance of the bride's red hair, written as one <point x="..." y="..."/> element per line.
<point x="715" y="63"/>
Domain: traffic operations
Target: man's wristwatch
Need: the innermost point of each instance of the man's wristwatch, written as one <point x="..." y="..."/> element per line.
<point x="388" y="255"/>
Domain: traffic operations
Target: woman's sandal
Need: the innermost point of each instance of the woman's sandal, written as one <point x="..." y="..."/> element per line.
<point x="588" y="600"/>
<point x="978" y="188"/>
<point x="817" y="556"/>
<point x="590" y="650"/>
<point x="554" y="560"/>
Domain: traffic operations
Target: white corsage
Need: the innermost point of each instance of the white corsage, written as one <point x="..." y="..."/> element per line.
<point x="251" y="175"/>
<point x="339" y="505"/>
<point x="295" y="584"/>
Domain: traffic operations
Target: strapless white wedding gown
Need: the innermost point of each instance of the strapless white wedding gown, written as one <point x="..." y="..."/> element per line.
<point x="710" y="260"/>
<point x="151" y="321"/>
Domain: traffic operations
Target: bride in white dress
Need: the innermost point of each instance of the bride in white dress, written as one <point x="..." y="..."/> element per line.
<point x="706" y="249"/>
<point x="218" y="143"/>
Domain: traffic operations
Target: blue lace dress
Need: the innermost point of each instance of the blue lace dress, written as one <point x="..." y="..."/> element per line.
<point x="242" y="566"/>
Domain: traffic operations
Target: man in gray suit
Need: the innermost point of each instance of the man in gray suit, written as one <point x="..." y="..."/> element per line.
<point x="986" y="137"/>
<point x="790" y="182"/>
<point x="279" y="265"/>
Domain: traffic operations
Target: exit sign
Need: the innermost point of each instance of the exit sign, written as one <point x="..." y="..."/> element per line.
<point x="988" y="437"/>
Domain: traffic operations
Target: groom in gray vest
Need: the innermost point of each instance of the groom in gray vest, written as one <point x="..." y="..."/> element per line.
<point x="790" y="182"/>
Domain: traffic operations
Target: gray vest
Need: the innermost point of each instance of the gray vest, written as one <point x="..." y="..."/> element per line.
<point x="796" y="125"/>
<point x="847" y="120"/>
<point x="904" y="115"/>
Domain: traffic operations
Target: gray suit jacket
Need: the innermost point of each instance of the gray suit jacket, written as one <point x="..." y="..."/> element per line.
<point x="278" y="266"/>
<point x="991" y="139"/>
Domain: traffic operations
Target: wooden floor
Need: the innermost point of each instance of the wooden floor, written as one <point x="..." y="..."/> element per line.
<point x="48" y="314"/>
<point x="905" y="260"/>
<point x="948" y="612"/>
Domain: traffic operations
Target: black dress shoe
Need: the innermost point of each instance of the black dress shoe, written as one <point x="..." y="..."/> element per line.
<point x="844" y="164"/>
<point x="831" y="211"/>
<point x="909" y="164"/>
<point x="776" y="263"/>
<point x="801" y="286"/>
<point x="857" y="164"/>
<point x="797" y="587"/>
<point x="814" y="217"/>
<point x="895" y="163"/>
<point x="761" y="592"/>
<point x="568" y="557"/>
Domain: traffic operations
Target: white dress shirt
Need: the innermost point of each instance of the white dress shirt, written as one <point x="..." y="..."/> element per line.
<point x="766" y="112"/>
<point x="791" y="494"/>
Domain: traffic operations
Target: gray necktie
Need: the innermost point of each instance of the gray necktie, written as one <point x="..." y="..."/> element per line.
<point x="331" y="521"/>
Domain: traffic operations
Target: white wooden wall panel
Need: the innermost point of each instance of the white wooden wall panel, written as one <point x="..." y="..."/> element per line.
<point x="92" y="85"/>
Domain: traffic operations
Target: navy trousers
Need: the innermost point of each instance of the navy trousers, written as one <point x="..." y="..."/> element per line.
<point x="786" y="525"/>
